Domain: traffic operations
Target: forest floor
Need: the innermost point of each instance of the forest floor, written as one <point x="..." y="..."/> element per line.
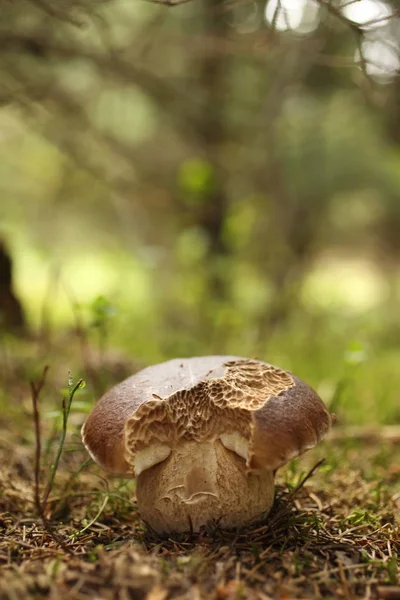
<point x="334" y="530"/>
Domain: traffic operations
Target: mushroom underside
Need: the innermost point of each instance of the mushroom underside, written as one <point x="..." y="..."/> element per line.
<point x="200" y="483"/>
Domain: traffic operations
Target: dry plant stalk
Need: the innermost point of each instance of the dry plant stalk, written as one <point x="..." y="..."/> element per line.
<point x="40" y="504"/>
<point x="36" y="389"/>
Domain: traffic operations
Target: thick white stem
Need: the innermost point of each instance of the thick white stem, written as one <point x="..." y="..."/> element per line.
<point x="201" y="483"/>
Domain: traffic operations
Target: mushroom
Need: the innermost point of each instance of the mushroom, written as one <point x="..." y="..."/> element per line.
<point x="204" y="436"/>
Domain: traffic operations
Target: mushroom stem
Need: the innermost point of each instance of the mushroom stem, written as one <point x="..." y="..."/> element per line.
<point x="200" y="483"/>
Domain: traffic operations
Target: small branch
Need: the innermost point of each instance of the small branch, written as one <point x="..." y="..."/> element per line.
<point x="61" y="15"/>
<point x="380" y="20"/>
<point x="180" y="106"/>
<point x="98" y="515"/>
<point x="36" y="389"/>
<point x="308" y="476"/>
<point x="169" y="2"/>
<point x="338" y="14"/>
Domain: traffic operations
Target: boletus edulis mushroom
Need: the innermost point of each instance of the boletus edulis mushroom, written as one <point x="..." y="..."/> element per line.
<point x="204" y="436"/>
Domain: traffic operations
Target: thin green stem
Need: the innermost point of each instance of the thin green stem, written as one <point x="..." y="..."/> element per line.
<point x="101" y="509"/>
<point x="66" y="407"/>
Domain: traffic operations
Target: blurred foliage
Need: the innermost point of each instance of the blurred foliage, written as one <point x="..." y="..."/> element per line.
<point x="217" y="177"/>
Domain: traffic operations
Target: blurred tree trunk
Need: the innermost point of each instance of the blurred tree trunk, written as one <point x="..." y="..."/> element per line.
<point x="213" y="79"/>
<point x="11" y="313"/>
<point x="297" y="223"/>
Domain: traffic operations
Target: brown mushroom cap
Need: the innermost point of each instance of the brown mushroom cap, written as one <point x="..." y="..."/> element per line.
<point x="263" y="413"/>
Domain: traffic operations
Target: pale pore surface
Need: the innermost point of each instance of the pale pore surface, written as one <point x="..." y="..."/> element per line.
<point x="148" y="457"/>
<point x="200" y="483"/>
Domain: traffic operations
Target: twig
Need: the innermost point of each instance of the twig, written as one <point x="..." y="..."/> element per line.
<point x="169" y="2"/>
<point x="177" y="104"/>
<point x="327" y="572"/>
<point x="36" y="389"/>
<point x="56" y="13"/>
<point x="88" y="525"/>
<point x="356" y="29"/>
<point x="307" y="477"/>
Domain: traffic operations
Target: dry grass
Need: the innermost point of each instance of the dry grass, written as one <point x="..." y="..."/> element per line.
<point x="337" y="536"/>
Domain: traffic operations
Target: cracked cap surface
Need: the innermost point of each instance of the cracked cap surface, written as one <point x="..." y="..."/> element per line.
<point x="201" y="399"/>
